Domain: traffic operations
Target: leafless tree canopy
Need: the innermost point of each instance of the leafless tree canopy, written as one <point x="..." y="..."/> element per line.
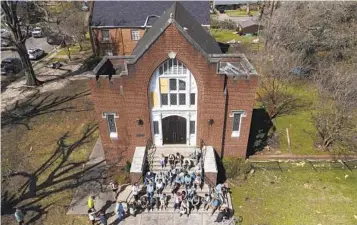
<point x="274" y="66"/>
<point x="324" y="37"/>
<point x="328" y="28"/>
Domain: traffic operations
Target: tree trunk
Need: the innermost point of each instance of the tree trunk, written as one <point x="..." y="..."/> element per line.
<point x="248" y="9"/>
<point x="68" y="52"/>
<point x="31" y="79"/>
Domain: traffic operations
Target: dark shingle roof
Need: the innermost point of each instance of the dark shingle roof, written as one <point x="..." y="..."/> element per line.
<point x="189" y="27"/>
<point x="135" y="13"/>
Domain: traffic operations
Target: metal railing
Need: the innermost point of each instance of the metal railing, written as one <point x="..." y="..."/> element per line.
<point x="150" y="157"/>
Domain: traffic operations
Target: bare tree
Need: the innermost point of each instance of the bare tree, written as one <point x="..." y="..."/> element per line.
<point x="75" y="26"/>
<point x="314" y="28"/>
<point x="275" y="67"/>
<point x="335" y="114"/>
<point x="17" y="38"/>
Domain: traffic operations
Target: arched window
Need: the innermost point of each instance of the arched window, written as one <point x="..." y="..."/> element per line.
<point x="173" y="86"/>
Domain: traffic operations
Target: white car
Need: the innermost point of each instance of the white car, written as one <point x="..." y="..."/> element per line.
<point x="37" y="32"/>
<point x="35" y="53"/>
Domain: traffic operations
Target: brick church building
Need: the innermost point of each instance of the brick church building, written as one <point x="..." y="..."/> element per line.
<point x="176" y="88"/>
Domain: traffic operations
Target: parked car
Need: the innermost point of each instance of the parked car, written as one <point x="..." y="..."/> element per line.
<point x="10" y="66"/>
<point x="58" y="39"/>
<point x="35" y="53"/>
<point x="37" y="32"/>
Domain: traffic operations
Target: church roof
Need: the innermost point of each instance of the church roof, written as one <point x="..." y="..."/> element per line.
<point x="186" y="23"/>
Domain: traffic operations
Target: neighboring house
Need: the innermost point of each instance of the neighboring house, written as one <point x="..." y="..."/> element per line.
<point x="248" y="27"/>
<point x="222" y="5"/>
<point x="177" y="89"/>
<point x="117" y="26"/>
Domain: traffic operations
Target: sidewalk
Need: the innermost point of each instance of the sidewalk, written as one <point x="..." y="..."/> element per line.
<point x="94" y="186"/>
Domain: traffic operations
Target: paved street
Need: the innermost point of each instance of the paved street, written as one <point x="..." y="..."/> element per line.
<point x="223" y="17"/>
<point x="30" y="43"/>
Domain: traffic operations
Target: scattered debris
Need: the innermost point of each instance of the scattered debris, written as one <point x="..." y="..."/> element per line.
<point x="255" y="41"/>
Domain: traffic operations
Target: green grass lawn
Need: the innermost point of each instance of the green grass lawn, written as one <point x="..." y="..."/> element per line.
<point x="48" y="143"/>
<point x="301" y="129"/>
<point x="297" y="197"/>
<point x="75" y="50"/>
<point x="227" y="35"/>
<point x="241" y="12"/>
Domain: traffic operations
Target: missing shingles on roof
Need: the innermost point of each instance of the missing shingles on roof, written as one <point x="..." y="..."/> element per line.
<point x="232" y="68"/>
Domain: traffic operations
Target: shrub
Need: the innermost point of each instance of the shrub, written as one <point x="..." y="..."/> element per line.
<point x="235" y="167"/>
<point x="227" y="24"/>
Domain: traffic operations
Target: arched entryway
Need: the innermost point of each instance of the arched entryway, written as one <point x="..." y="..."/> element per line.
<point x="174" y="130"/>
<point x="173" y="102"/>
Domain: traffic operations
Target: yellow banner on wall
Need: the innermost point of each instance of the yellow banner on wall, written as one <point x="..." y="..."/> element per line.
<point x="164" y="85"/>
<point x="154" y="99"/>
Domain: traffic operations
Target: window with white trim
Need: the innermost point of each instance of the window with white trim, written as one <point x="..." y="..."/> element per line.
<point x="156" y="127"/>
<point x="112" y="127"/>
<point x="135" y="35"/>
<point x="237" y="122"/>
<point x="105" y="35"/>
<point x="192" y="127"/>
<point x="173" y="86"/>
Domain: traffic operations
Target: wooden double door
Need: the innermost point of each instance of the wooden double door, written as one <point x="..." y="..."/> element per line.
<point x="174" y="130"/>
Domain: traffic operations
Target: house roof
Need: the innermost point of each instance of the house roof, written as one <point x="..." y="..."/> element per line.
<point x="189" y="27"/>
<point x="136" y="13"/>
<point x="247" y="23"/>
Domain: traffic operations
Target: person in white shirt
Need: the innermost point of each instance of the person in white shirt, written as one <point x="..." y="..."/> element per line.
<point x="184" y="208"/>
<point x="159" y="186"/>
<point x="92" y="215"/>
<point x="135" y="191"/>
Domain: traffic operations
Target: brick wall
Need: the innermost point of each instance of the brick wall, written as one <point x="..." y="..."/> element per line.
<point x="120" y="38"/>
<point x="134" y="103"/>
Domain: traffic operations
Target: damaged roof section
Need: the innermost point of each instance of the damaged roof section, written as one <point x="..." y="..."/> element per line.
<point x="112" y="65"/>
<point x="235" y="68"/>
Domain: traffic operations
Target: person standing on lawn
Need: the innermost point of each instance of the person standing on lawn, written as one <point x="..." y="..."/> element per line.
<point x="91" y="202"/>
<point x="19" y="216"/>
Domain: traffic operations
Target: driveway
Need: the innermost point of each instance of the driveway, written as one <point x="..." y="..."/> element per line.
<point x="30" y="43"/>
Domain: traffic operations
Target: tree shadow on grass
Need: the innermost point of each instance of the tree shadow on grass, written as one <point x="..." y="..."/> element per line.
<point x="259" y="131"/>
<point x="87" y="65"/>
<point x="60" y="175"/>
<point x="37" y="105"/>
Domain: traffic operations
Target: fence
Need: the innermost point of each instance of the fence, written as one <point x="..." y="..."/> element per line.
<point x="316" y="166"/>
